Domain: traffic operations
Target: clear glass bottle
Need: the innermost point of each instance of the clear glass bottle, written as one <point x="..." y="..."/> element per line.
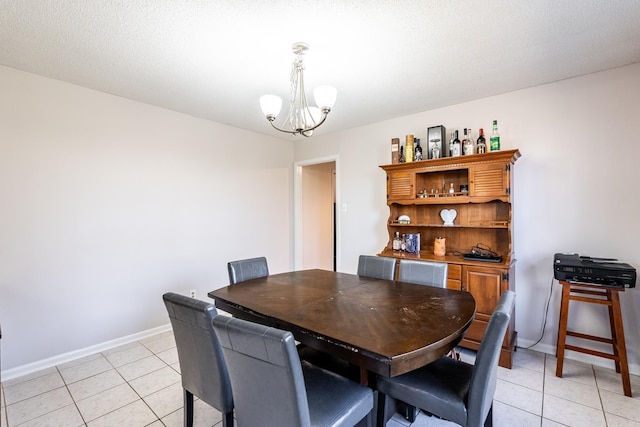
<point x="417" y="151"/>
<point x="397" y="242"/>
<point x="467" y="147"/>
<point x="455" y="147"/>
<point x="435" y="152"/>
<point x="495" y="137"/>
<point x="481" y="144"/>
<point x="452" y="190"/>
<point x="403" y="243"/>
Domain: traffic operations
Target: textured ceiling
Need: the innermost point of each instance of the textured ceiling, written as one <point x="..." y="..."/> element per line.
<point x="214" y="59"/>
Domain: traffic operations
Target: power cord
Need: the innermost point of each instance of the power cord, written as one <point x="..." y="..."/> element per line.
<point x="546" y="314"/>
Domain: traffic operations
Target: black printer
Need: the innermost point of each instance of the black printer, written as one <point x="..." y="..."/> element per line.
<point x="597" y="271"/>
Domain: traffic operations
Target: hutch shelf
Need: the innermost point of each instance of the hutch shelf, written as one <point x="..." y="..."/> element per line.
<point x="482" y="191"/>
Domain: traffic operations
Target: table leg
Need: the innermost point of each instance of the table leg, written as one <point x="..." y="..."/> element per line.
<point x="364" y="376"/>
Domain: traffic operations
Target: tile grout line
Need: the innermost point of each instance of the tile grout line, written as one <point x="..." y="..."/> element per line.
<point x="75" y="402"/>
<point x="136" y="392"/>
<point x="128" y="384"/>
<point x="71" y="395"/>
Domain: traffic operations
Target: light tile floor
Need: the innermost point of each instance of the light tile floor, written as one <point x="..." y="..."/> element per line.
<point x="138" y="384"/>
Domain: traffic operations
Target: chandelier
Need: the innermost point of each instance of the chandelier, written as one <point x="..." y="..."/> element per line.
<point x="302" y="119"/>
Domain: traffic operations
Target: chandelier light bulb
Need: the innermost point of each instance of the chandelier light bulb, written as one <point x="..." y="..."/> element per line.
<point x="270" y="105"/>
<point x="325" y="96"/>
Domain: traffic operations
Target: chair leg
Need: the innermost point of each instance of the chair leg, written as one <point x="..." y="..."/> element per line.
<point x="227" y="419"/>
<point x="188" y="408"/>
<point x="386" y="408"/>
<point x="409" y="412"/>
<point x="489" y="421"/>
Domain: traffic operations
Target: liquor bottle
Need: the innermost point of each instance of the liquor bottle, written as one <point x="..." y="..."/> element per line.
<point x="481" y="144"/>
<point x="495" y="137"/>
<point x="402" y="159"/>
<point x="467" y="145"/>
<point x="455" y="147"/>
<point x="408" y="149"/>
<point x="403" y="243"/>
<point x="450" y="151"/>
<point x="397" y="242"/>
<point x="463" y="141"/>
<point x="452" y="190"/>
<point x="417" y="156"/>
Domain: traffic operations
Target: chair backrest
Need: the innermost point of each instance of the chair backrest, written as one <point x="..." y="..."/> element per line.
<point x="483" y="380"/>
<point x="247" y="269"/>
<point x="377" y="266"/>
<point x="423" y="272"/>
<point x="266" y="374"/>
<point x="202" y="365"/>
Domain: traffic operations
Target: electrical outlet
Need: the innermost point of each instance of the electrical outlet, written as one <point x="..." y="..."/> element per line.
<point x="192" y="293"/>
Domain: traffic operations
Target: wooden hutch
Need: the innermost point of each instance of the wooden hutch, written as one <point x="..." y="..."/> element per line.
<point x="484" y="218"/>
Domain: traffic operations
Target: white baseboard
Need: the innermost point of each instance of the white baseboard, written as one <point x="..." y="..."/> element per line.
<point x="580" y="357"/>
<point x="29" y="368"/>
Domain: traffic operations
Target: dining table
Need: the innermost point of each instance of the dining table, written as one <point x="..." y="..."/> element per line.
<point x="383" y="327"/>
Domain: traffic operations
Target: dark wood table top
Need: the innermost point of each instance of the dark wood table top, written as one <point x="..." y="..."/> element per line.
<point x="382" y="326"/>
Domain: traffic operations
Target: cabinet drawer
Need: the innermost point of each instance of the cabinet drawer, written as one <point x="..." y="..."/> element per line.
<point x="456" y="285"/>
<point x="454" y="272"/>
<point x="476" y="330"/>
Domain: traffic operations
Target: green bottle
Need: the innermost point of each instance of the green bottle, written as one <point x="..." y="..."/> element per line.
<point x="494" y="141"/>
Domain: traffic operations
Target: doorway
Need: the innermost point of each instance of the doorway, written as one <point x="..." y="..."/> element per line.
<point x="316" y="219"/>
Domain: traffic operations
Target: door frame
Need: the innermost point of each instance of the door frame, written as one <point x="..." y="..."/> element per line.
<point x="297" y="208"/>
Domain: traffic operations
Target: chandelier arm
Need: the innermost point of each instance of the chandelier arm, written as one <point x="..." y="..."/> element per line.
<point x="292" y="132"/>
<point x="325" y="113"/>
<point x="302" y="132"/>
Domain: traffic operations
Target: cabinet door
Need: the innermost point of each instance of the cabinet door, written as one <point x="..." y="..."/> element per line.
<point x="400" y="186"/>
<point x="489" y="180"/>
<point x="485" y="284"/>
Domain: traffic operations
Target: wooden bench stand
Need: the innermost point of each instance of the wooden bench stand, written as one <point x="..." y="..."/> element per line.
<point x="594" y="294"/>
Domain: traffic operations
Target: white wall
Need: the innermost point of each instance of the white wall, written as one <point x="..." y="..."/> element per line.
<point x="576" y="188"/>
<point x="107" y="203"/>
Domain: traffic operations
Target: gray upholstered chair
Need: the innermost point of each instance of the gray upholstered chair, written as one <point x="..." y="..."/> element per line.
<point x="423" y="272"/>
<point x="202" y="366"/>
<point x="377" y="266"/>
<point x="272" y="388"/>
<point x="451" y="389"/>
<point x="247" y="269"/>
